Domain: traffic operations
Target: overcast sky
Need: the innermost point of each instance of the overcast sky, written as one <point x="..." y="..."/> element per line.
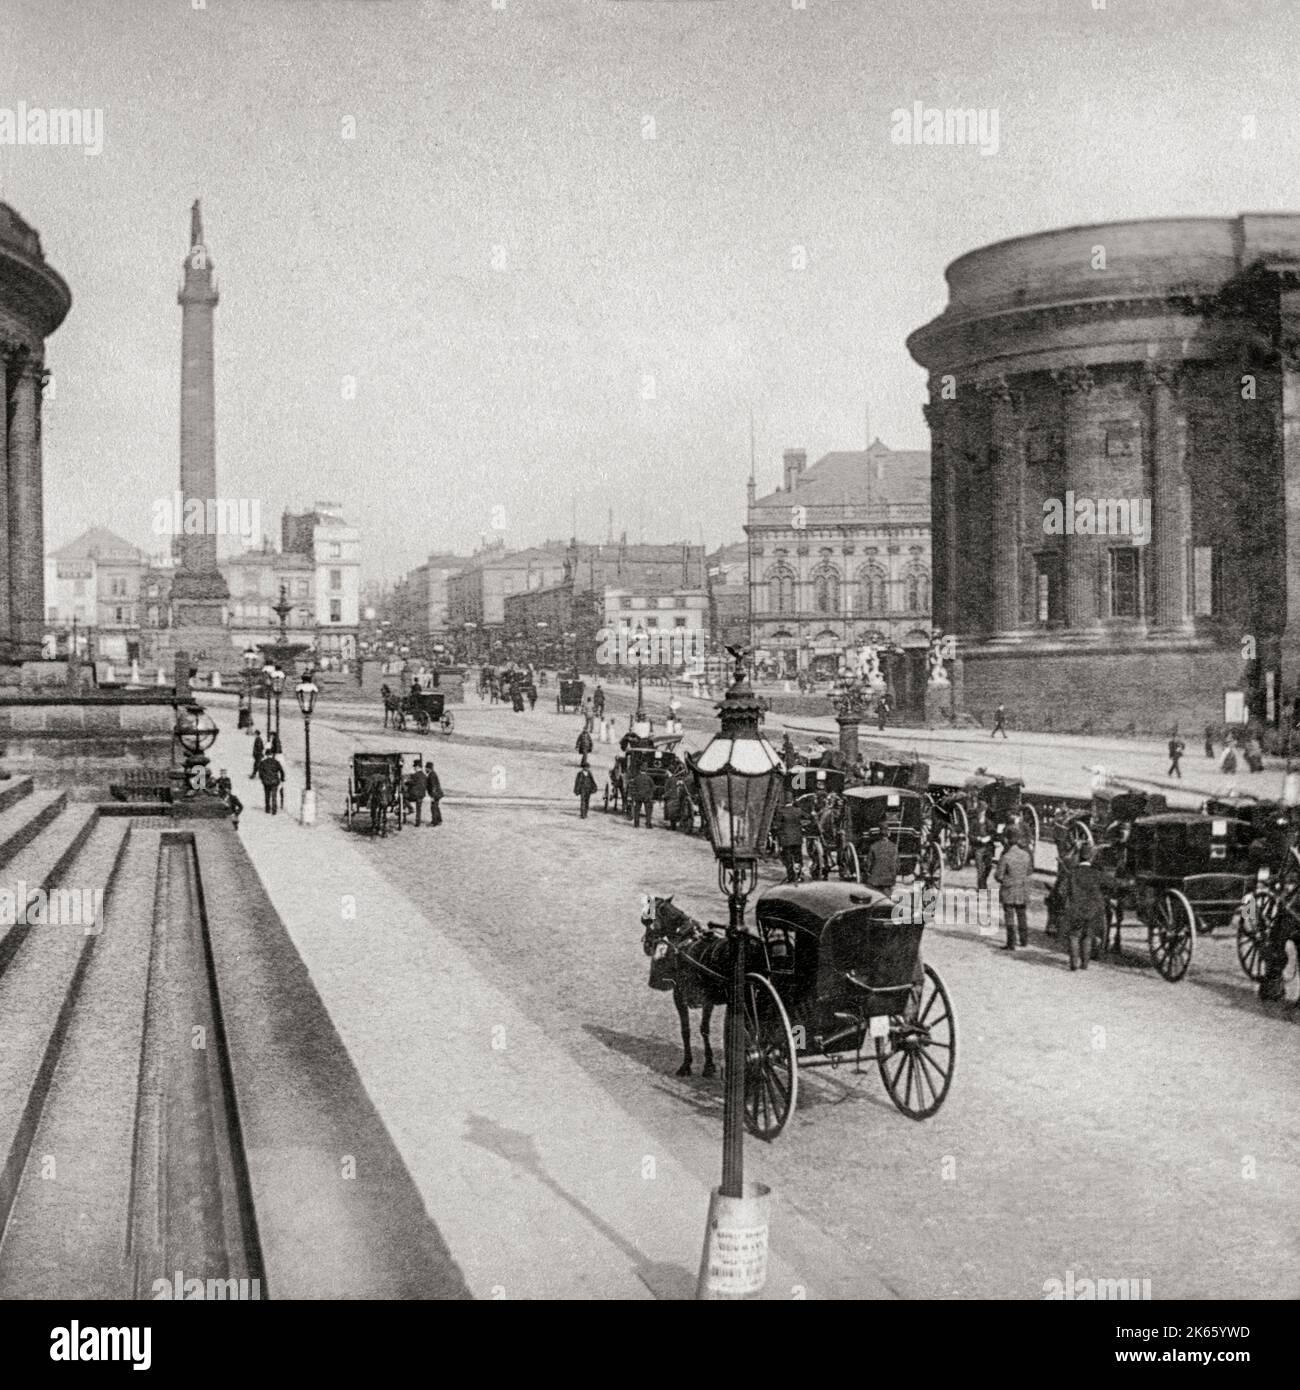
<point x="508" y="267"/>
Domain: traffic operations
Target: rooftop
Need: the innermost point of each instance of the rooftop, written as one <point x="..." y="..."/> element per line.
<point x="877" y="476"/>
<point x="99" y="543"/>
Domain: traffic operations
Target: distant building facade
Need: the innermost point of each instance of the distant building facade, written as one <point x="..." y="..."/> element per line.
<point x="477" y="594"/>
<point x="839" y="556"/>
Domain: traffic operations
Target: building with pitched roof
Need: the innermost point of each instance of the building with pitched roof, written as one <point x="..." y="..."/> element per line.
<point x="839" y="556"/>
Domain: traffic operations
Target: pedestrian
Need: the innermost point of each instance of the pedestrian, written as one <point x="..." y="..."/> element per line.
<point x="516" y="698"/>
<point x="532" y="696"/>
<point x="1209" y="742"/>
<point x="598" y="703"/>
<point x="1085" y="911"/>
<point x="271" y="773"/>
<point x="584" y="744"/>
<point x="880" y="867"/>
<point x="788" y="755"/>
<point x="882" y="712"/>
<point x="1063" y="838"/>
<point x="1013" y="873"/>
<point x="1176" y="750"/>
<point x="981" y="836"/>
<point x="643" y="798"/>
<point x="1253" y="752"/>
<point x="417" y="788"/>
<point x="434" y="788"/>
<point x="259" y="748"/>
<point x="584" y="785"/>
<point x="789" y="840"/>
<point x="1228" y="758"/>
<point x="999" y="722"/>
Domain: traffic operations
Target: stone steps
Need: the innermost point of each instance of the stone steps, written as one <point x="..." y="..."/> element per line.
<point x="21" y="822"/>
<point x="43" y="862"/>
<point x="38" y="992"/>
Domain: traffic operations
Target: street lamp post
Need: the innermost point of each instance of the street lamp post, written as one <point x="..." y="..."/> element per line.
<point x="250" y="663"/>
<point x="267" y="671"/>
<point x="640" y="721"/>
<point x="307" y="693"/>
<point x="277" y="685"/>
<point x="739" y="780"/>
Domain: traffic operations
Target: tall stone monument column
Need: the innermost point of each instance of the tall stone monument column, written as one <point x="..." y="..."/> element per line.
<point x="8" y="365"/>
<point x="1079" y="553"/>
<point x="198" y="590"/>
<point x="24" y="508"/>
<point x="1169" y="523"/>
<point x="943" y="519"/>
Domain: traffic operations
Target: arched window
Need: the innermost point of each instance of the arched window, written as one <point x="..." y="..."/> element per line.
<point x="780" y="589"/>
<point x="826" y="589"/>
<point x="871" y="587"/>
<point x="917" y="588"/>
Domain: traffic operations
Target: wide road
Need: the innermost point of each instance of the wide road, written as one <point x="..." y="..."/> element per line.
<point x="1105" y="1123"/>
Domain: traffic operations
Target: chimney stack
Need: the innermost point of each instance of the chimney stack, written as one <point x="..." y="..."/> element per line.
<point x="796" y="460"/>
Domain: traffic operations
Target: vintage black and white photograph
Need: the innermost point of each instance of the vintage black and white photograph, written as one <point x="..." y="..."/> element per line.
<point x="650" y="650"/>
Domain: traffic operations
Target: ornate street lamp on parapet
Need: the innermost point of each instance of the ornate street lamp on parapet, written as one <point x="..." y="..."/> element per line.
<point x="739" y="780"/>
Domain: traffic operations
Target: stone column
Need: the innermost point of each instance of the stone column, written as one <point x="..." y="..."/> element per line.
<point x="1005" y="537"/>
<point x="1169" y="522"/>
<point x="8" y="368"/>
<point x="941" y="520"/>
<point x="1078" y="553"/>
<point x="26" y="526"/>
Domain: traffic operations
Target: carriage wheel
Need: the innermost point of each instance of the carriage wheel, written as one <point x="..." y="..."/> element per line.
<point x="557" y="704"/>
<point x="850" y="869"/>
<point x="1171" y="935"/>
<point x="958" y="846"/>
<point x="1029" y="819"/>
<point x="1254" y="919"/>
<point x="447" y="723"/>
<point x="919" y="1055"/>
<point x="347" y="811"/>
<point x="771" y="1065"/>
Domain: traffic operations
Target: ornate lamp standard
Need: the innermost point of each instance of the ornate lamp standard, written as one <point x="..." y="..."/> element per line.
<point x="307" y="692"/>
<point x="267" y="671"/>
<point x="739" y="780"/>
<point x="640" y="720"/>
<point x="250" y="665"/>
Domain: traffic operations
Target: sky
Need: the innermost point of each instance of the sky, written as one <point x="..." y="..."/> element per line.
<point x="503" y="268"/>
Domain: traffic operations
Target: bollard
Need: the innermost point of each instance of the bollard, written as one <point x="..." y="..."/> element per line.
<point x="734" y="1264"/>
<point x="307" y="815"/>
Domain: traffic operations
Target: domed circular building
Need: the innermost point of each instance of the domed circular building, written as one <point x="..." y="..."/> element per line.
<point x="33" y="302"/>
<point x="1115" y="490"/>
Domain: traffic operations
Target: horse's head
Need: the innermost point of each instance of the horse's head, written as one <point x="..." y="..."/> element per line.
<point x="662" y="921"/>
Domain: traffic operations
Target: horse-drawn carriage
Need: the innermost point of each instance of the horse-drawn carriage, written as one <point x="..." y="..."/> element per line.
<point x="903" y="815"/>
<point x="1187" y="875"/>
<point x="1113" y="808"/>
<point x="569" y="694"/>
<point x="817" y="793"/>
<point x="422" y="708"/>
<point x="375" y="791"/>
<point x="829" y="967"/>
<point x="656" y="755"/>
<point x="1001" y="797"/>
<point x="914" y="775"/>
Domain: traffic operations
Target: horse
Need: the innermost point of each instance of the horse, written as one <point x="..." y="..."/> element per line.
<point x="698" y="961"/>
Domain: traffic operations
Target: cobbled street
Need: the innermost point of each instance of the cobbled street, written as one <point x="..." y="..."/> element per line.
<point x="1106" y="1123"/>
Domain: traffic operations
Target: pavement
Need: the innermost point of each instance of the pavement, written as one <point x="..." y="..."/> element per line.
<point x="491" y="991"/>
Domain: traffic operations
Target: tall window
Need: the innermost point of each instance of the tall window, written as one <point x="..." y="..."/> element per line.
<point x="871" y="585"/>
<point x="826" y="589"/>
<point x="336" y="579"/>
<point x="1124" y="582"/>
<point x="917" y="587"/>
<point x="780" y="589"/>
<point x="336" y="610"/>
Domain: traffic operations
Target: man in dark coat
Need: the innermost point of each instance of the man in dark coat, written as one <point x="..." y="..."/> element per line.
<point x="271" y="774"/>
<point x="643" y="798"/>
<point x="583" y="745"/>
<point x="1176" y="750"/>
<point x="417" y="788"/>
<point x="789" y="838"/>
<point x="1085" y="911"/>
<point x="434" y="788"/>
<point x="598" y="703"/>
<point x="584" y="784"/>
<point x="999" y="722"/>
<point x="259" y="748"/>
<point x="880" y="866"/>
<point x="1015" y="869"/>
<point x="788" y="755"/>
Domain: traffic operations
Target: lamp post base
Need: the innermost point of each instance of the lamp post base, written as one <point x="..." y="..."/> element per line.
<point x="308" y="815"/>
<point x="733" y="1266"/>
